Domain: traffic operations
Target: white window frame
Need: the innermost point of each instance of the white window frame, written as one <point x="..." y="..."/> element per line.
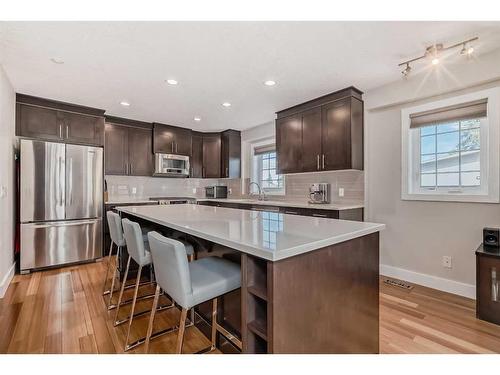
<point x="255" y="170"/>
<point x="488" y="192"/>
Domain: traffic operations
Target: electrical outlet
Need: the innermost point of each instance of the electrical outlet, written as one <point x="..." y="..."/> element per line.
<point x="134" y="190"/>
<point x="341" y="192"/>
<point x="194" y="190"/>
<point x="446" y="261"/>
<point x="229" y="191"/>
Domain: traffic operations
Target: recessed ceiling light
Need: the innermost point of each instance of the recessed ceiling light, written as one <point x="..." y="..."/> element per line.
<point x="197" y="119"/>
<point x="57" y="60"/>
<point x="435" y="61"/>
<point x="270" y="83"/>
<point x="125" y="104"/>
<point x="226" y="104"/>
<point x="172" y="82"/>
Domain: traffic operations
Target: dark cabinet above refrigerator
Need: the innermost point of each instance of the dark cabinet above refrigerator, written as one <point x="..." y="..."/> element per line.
<point x="51" y="120"/>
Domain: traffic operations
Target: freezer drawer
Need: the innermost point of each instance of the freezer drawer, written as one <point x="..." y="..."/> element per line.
<point x="58" y="243"/>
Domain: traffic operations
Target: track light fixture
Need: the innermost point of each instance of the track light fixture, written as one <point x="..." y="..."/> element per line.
<point x="434" y="54"/>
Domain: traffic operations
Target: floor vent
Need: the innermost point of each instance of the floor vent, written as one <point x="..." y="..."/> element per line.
<point x="398" y="283"/>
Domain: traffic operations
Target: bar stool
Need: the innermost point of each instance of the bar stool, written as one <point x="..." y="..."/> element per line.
<point x="189" y="284"/>
<point x="116" y="234"/>
<point x="139" y="251"/>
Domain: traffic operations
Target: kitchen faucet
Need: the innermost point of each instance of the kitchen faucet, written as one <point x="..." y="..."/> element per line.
<point x="262" y="194"/>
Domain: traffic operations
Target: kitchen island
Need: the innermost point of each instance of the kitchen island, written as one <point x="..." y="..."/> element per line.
<point x="309" y="285"/>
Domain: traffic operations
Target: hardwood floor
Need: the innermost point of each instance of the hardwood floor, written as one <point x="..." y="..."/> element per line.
<point x="62" y="311"/>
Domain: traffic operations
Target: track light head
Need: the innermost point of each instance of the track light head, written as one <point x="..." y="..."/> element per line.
<point x="406" y="70"/>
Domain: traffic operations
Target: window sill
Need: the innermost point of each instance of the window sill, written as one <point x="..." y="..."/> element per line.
<point x="457" y="198"/>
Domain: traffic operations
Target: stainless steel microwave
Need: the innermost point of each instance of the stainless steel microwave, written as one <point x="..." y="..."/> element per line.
<point x="170" y="165"/>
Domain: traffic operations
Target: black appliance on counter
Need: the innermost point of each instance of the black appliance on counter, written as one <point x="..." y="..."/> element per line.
<point x="216" y="191"/>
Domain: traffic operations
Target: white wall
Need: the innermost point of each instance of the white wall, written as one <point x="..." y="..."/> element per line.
<point x="7" y="186"/>
<point x="418" y="234"/>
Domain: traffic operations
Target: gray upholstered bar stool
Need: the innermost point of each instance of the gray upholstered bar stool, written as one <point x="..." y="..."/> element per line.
<point x="117" y="239"/>
<point x="189" y="284"/>
<point x="138" y="251"/>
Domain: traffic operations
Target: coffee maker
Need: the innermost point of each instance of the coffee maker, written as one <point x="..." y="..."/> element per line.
<point x="319" y="193"/>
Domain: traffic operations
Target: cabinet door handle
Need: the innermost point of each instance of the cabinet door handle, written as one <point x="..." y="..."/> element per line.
<point x="67" y="131"/>
<point x="323" y="160"/>
<point x="130" y="169"/>
<point x="494" y="285"/>
<point x="320" y="215"/>
<point x="176" y="147"/>
<point x="317" y="162"/>
<point x="227" y="172"/>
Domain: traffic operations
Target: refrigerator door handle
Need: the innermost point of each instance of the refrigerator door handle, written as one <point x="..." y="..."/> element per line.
<point x="70" y="190"/>
<point x="63" y="223"/>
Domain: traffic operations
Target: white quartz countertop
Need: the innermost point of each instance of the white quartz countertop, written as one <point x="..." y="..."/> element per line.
<point x="129" y="200"/>
<point x="330" y="206"/>
<point x="269" y="235"/>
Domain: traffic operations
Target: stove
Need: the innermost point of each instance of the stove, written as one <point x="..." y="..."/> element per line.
<point x="173" y="200"/>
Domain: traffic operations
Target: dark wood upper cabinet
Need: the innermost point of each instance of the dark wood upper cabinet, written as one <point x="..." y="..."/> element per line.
<point x="323" y="134"/>
<point x="83" y="128"/>
<point x="52" y="120"/>
<point x="171" y="139"/>
<point x="196" y="160"/>
<point x="231" y="154"/>
<point x="116" y="150"/>
<point x="311" y="140"/>
<point x="128" y="150"/>
<point x="140" y="152"/>
<point x="211" y="155"/>
<point x="38" y="122"/>
<point x="289" y="144"/>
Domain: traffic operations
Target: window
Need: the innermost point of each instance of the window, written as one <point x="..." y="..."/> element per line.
<point x="264" y="170"/>
<point x="450" y="154"/>
<point x="450" y="149"/>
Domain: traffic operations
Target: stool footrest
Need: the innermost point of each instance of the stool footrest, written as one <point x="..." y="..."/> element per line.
<point x="155" y="335"/>
<point x="160" y="308"/>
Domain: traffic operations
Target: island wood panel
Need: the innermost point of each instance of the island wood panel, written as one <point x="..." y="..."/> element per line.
<point x="326" y="301"/>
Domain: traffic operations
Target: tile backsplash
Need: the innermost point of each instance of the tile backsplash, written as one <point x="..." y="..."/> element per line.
<point x="296" y="186"/>
<point x="145" y="187"/>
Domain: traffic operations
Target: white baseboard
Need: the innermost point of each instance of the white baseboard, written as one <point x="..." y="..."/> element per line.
<point x="4" y="284"/>
<point x="439" y="283"/>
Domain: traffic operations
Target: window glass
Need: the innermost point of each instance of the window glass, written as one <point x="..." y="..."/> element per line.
<point x="450" y="154"/>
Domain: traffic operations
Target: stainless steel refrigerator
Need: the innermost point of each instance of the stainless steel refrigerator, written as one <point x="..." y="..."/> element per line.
<point x="61" y="203"/>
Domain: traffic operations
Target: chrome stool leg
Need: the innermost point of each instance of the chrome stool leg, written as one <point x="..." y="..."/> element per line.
<point x="152" y="318"/>
<point x="110" y="254"/>
<point x="180" y="335"/>
<point x="112" y="289"/>
<point x="122" y="288"/>
<point x="131" y="317"/>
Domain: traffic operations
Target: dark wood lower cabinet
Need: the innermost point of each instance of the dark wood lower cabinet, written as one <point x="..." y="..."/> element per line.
<point x="324" y="301"/>
<point x="488" y="284"/>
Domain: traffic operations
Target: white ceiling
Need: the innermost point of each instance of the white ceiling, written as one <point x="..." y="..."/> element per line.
<point x="107" y="62"/>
